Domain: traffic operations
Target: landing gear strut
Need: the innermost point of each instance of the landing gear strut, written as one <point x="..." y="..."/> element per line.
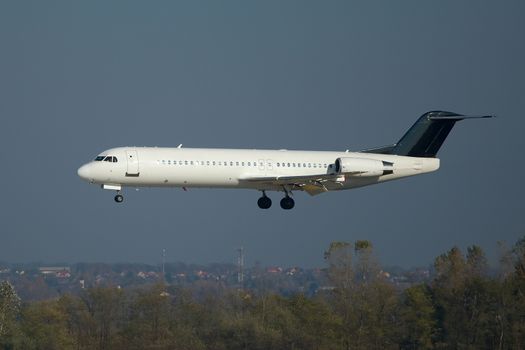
<point x="264" y="202"/>
<point x="119" y="198"/>
<point x="287" y="202"/>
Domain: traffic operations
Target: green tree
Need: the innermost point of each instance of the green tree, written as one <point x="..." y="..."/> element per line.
<point x="477" y="265"/>
<point x="9" y="310"/>
<point x="148" y="320"/>
<point x="417" y="318"/>
<point x="467" y="302"/>
<point x="44" y="326"/>
<point x="516" y="297"/>
<point x="81" y="325"/>
<point x="105" y="306"/>
<point x="315" y="326"/>
<point x="367" y="266"/>
<point x="362" y="299"/>
<point x="339" y="259"/>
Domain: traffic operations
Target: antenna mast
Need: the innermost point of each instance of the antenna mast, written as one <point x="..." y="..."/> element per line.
<point x="163" y="263"/>
<point x="240" y="266"/>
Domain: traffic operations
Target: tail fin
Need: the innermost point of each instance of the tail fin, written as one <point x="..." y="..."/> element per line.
<point x="425" y="137"/>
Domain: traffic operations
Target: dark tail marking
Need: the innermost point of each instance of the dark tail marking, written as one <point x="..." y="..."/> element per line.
<point x="425" y="137"/>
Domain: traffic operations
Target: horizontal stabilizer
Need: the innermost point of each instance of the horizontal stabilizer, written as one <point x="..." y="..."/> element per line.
<point x="459" y="117"/>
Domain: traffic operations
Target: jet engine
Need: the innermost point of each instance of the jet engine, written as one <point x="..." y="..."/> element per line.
<point x="363" y="167"/>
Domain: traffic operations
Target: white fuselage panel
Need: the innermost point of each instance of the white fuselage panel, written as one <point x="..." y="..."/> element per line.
<point x="227" y="168"/>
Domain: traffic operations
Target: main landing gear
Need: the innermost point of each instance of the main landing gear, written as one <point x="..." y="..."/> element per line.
<point x="264" y="202"/>
<point x="286" y="203"/>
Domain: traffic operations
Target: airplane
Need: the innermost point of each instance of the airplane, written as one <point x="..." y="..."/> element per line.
<point x="281" y="170"/>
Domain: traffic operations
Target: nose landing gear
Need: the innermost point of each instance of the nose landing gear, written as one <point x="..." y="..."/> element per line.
<point x="119" y="198"/>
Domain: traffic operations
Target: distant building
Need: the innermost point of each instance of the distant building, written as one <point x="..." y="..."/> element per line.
<point x="274" y="270"/>
<point x="149" y="274"/>
<point x="47" y="270"/>
<point x="62" y="272"/>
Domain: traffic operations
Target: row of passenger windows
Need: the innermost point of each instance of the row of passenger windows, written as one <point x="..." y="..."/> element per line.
<point x="243" y="164"/>
<point x="106" y="159"/>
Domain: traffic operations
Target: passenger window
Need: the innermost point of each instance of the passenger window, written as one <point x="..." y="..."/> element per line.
<point x="169" y="162"/>
<point x="249" y="164"/>
<point x="186" y="162"/>
<point x="231" y="163"/>
<point x="191" y="162"/>
<point x="237" y="163"/>
<point x="293" y="164"/>
<point x="288" y="165"/>
<point x="213" y="163"/>
<point x="207" y="162"/>
<point x="242" y="163"/>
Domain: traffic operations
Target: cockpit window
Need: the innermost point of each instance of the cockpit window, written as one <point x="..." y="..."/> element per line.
<point x="110" y="159"/>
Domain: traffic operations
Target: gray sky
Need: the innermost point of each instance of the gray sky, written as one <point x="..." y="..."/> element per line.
<point x="80" y="77"/>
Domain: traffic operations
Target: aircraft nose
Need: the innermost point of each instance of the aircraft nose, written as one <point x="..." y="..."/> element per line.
<point x="84" y="172"/>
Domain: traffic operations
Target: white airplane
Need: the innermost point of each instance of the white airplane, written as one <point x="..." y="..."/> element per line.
<point x="314" y="172"/>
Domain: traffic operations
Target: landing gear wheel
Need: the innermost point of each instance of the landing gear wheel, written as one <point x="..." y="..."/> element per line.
<point x="119" y="198"/>
<point x="287" y="203"/>
<point x="264" y="202"/>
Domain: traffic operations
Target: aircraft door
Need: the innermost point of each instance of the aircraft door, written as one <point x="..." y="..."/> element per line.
<point x="133" y="163"/>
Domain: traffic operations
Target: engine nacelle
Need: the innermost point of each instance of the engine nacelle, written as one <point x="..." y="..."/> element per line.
<point x="363" y="167"/>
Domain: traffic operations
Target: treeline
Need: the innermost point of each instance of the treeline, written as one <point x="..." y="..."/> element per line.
<point x="461" y="308"/>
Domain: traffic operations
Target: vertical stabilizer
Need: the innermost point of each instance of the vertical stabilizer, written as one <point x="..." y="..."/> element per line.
<point x="425" y="137"/>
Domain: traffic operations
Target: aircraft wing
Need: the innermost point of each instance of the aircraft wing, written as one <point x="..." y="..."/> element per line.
<point x="312" y="184"/>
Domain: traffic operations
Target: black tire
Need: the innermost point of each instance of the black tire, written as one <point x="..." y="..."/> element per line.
<point x="287" y="203"/>
<point x="119" y="198"/>
<point x="264" y="202"/>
